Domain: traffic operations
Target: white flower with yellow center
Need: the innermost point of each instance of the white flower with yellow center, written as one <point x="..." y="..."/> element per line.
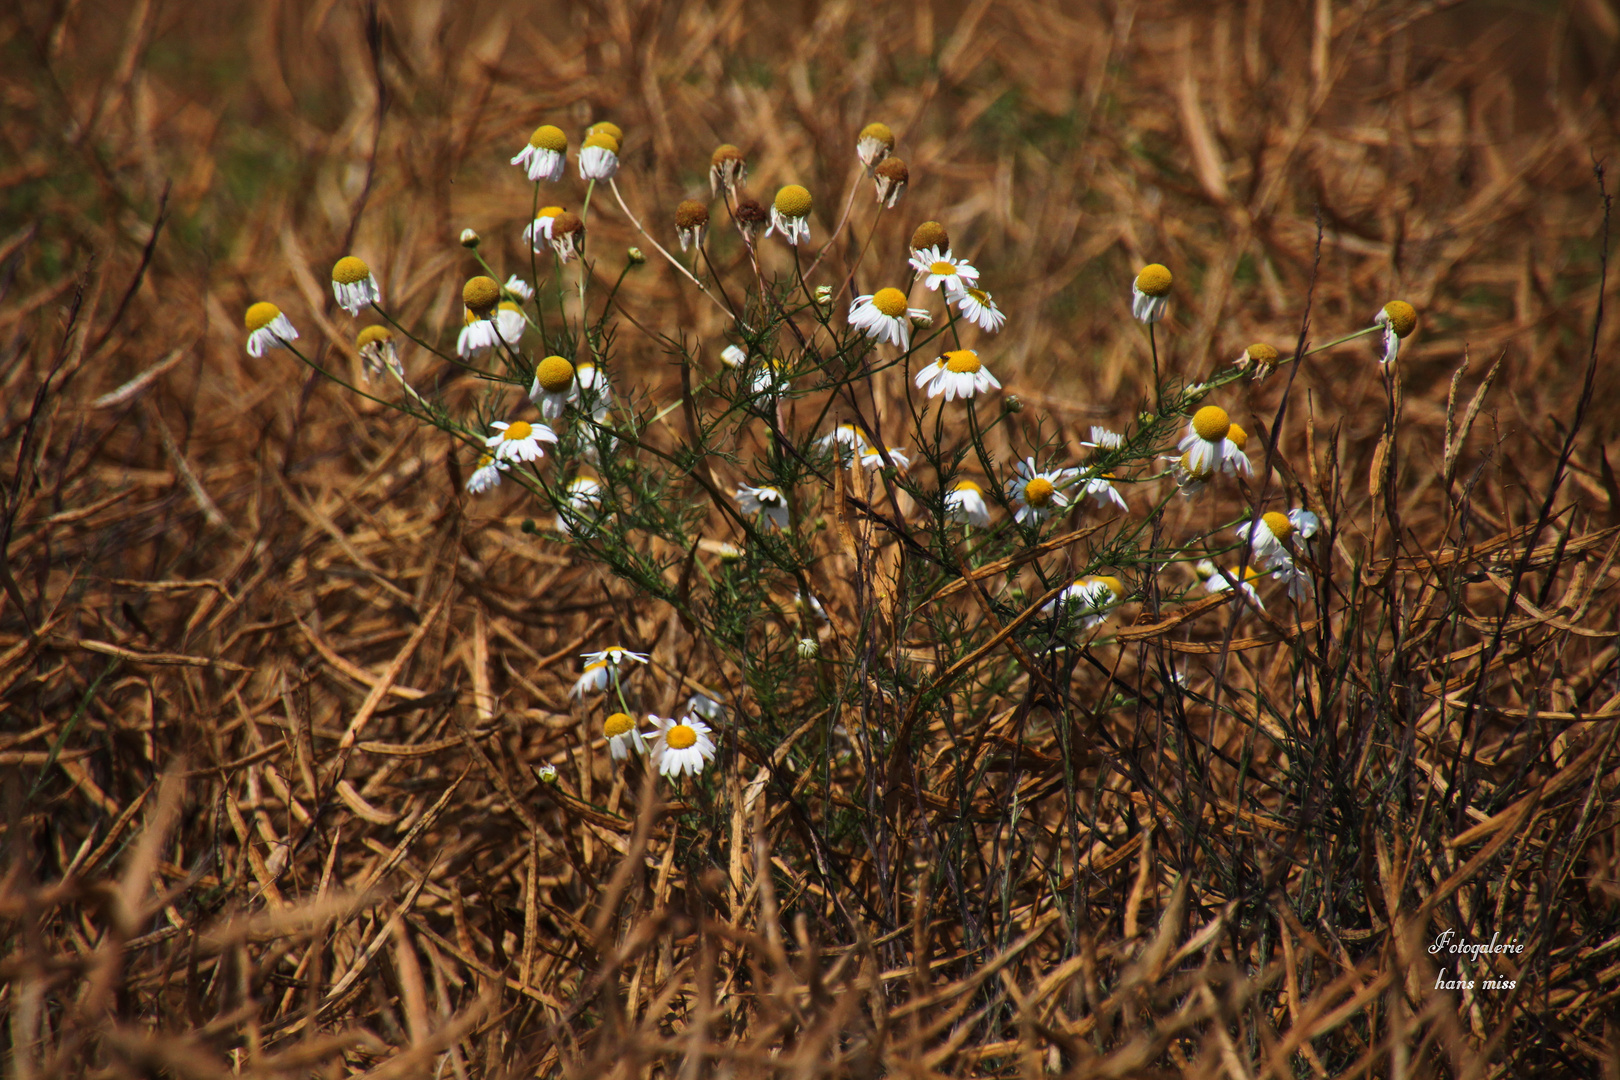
<point x="874" y="460"/>
<point x="353" y="285"/>
<point x="1151" y="293"/>
<point x="599" y="157"/>
<point x="601" y="668"/>
<point x="965" y="504"/>
<point x="519" y="440"/>
<point x="977" y="308"/>
<point x="1189" y="480"/>
<point x="546" y="154"/>
<point x="846" y="440"/>
<point x="1038" y="494"/>
<point x="538" y="232"/>
<point x="770" y="376"/>
<point x="957" y="374"/>
<point x="594" y="392"/>
<point x="622" y="736"/>
<point x="766" y="501"/>
<point x="1103" y="439"/>
<point x="268" y="328"/>
<point x="681" y="746"/>
<point x="1273" y="532"/>
<point x="1209" y="447"/>
<point x="583" y="498"/>
<point x="376" y="347"/>
<point x="1102" y="491"/>
<point x="1090" y="599"/>
<point x="516" y="286"/>
<point x="477" y="336"/>
<point x="554" y="386"/>
<point x="873" y="144"/>
<point x="884" y="315"/>
<point x="487" y="475"/>
<point x="1217" y="580"/>
<point x="940" y="269"/>
<point x="790" y="214"/>
<point x="1399" y="319"/>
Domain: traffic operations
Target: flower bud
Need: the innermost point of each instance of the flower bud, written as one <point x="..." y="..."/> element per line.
<point x="1012" y="403"/>
<point x="635" y="256"/>
<point x="469" y="239"/>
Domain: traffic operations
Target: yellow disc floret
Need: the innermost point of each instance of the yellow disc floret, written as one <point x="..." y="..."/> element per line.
<point x="349" y="270"/>
<point x="1211" y="423"/>
<point x="1115" y="586"/>
<point x="373" y="335"/>
<point x="968" y="485"/>
<point x="880" y="132"/>
<point x="618" y="724"/>
<point x="723" y="153"/>
<point x="1402" y="317"/>
<point x="893" y="170"/>
<point x="930" y="234"/>
<point x="1154" y="280"/>
<point x="1038" y="491"/>
<point x="1279" y="524"/>
<point x="549" y="137"/>
<point x="680" y="737"/>
<point x="264" y="313"/>
<point x="608" y="128"/>
<point x="793" y="201"/>
<point x="516" y="430"/>
<point x="690" y="214"/>
<point x="481" y="294"/>
<point x="1262" y="354"/>
<point x="554" y="374"/>
<point x="602" y="140"/>
<point x="548" y="212"/>
<point x="1237" y="436"/>
<point x="891" y="302"/>
<point x="962" y="361"/>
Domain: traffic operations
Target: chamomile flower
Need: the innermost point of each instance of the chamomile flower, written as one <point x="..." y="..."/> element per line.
<point x="770" y="376"/>
<point x="1261" y="357"/>
<point x="1103" y="439"/>
<point x="957" y="374"/>
<point x="1038" y="494"/>
<point x="594" y="392"/>
<point x="977" y="308"/>
<point x="487" y="475"/>
<point x="873" y="144"/>
<point x="964" y="503"/>
<point x="705" y="706"/>
<point x="733" y="356"/>
<point x="1102" y="491"/>
<point x="601" y="668"/>
<point x="846" y="440"/>
<point x="809" y="647"/>
<point x="1190" y="478"/>
<point x="477" y="336"/>
<point x="546" y="154"/>
<point x="376" y="347"/>
<point x="516" y="286"/>
<point x="930" y="234"/>
<point x="751" y="218"/>
<point x="519" y="440"/>
<point x="766" y="501"/>
<point x="790" y="213"/>
<point x="623" y="737"/>
<point x="1273" y="532"/>
<point x="554" y="386"/>
<point x="885" y="316"/>
<point x="874" y="460"/>
<point x="510" y="322"/>
<point x="538" y="231"/>
<point x="1090" y="599"/>
<point x="1151" y="293"/>
<point x="1208" y="445"/>
<point x="1399" y="319"/>
<point x="727" y="169"/>
<point x="481" y="295"/>
<point x="583" y="498"/>
<point x="1218" y="581"/>
<point x="567" y="235"/>
<point x="681" y="746"/>
<point x="599" y="156"/>
<point x="691" y="223"/>
<point x="614" y="655"/>
<point x="268" y="328"/>
<point x="940" y="269"/>
<point x="890" y="177"/>
<point x="353" y="285"/>
<point x="1294" y="578"/>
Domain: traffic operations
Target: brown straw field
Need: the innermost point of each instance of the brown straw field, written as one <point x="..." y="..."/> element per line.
<point x="295" y="776"/>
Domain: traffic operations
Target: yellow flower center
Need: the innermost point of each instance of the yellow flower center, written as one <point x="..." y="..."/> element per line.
<point x="1402" y="317"/>
<point x="373" y="335"/>
<point x="962" y="361"/>
<point x="880" y="132"/>
<point x="793" y="201"/>
<point x="617" y="724"/>
<point x="548" y="212"/>
<point x="1187" y="467"/>
<point x="264" y="313"/>
<point x="943" y="269"/>
<point x="549" y="137"/>
<point x="507" y="305"/>
<point x="891" y="302"/>
<point x="1154" y="279"/>
<point x="1039" y="491"/>
<point x="518" y="429"/>
<point x="980" y="295"/>
<point x="1115" y="586"/>
<point x="485" y="460"/>
<point x="554" y="374"/>
<point x="1238" y="436"/>
<point x="930" y="234"/>
<point x="725" y="152"/>
<point x="1263" y="354"/>
<point x="690" y="214"/>
<point x="350" y="270"/>
<point x="680" y="737"/>
<point x="481" y="294"/>
<point x="1253" y="574"/>
<point x="1279" y="524"/>
<point x="602" y="141"/>
<point x="968" y="485"/>
<point x="608" y="128"/>
<point x="1211" y="423"/>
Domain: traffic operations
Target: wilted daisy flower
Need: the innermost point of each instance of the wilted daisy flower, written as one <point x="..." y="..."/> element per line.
<point x="511" y="322"/>
<point x="1189" y="479"/>
<point x="977" y="308"/>
<point x="733" y="356"/>
<point x="599" y="157"/>
<point x="1038" y="494"/>
<point x="891" y="177"/>
<point x="751" y="218"/>
<point x="477" y="336"/>
<point x="516" y="286"/>
<point x="930" y="234"/>
<point x="375" y="344"/>
<point x="567" y="235"/>
<point x="964" y="503"/>
<point x="727" y="169"/>
<point x="1260" y="356"/>
<point x="1295" y="579"/>
<point x="594" y="392"/>
<point x="353" y="285"/>
<point x="846" y="439"/>
<point x="546" y="155"/>
<point x="874" y="143"/>
<point x="874" y="460"/>
<point x="1208" y="446"/>
<point x="622" y="736"/>
<point x="884" y="316"/>
<point x="1101" y="489"/>
<point x="487" y="475"/>
<point x="681" y="746"/>
<point x="1090" y="598"/>
<point x="790" y="213"/>
<point x="268" y="328"/>
<point x="957" y="374"/>
<point x="940" y="268"/>
<point x="554" y="387"/>
<point x="519" y="440"/>
<point x="691" y="223"/>
<point x="538" y="232"/>
<point x="1399" y="319"/>
<point x="706" y="707"/>
<point x="608" y="128"/>
<point x="1151" y="293"/>
<point x="583" y="497"/>
<point x="1217" y="581"/>
<point x="764" y="500"/>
